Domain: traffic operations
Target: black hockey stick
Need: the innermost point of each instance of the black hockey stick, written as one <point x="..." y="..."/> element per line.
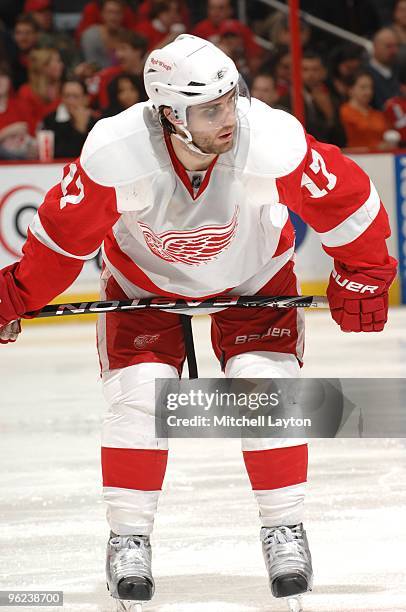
<point x="163" y="303"/>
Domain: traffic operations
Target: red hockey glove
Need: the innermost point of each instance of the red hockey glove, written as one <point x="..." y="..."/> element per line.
<point x="359" y="299"/>
<point x="11" y="306"/>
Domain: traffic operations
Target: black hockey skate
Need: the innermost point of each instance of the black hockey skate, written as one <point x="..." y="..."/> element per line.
<point x="128" y="571"/>
<point x="288" y="562"/>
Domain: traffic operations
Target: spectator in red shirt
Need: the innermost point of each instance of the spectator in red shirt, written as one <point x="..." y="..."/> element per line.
<point x="219" y="11"/>
<point x="26" y="33"/>
<point x="131" y="50"/>
<point x="395" y="109"/>
<point x="91" y="15"/>
<point x="41" y="13"/>
<point x="42" y="92"/>
<point x="164" y="26"/>
<point x="99" y="42"/>
<point x="15" y="142"/>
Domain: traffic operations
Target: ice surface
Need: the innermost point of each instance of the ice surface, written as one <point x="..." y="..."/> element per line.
<point x="207" y="556"/>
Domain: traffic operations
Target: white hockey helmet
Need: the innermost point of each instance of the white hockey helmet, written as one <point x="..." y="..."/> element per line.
<point x="187" y="72"/>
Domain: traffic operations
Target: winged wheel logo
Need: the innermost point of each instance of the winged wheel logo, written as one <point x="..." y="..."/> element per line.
<point x="191" y="247"/>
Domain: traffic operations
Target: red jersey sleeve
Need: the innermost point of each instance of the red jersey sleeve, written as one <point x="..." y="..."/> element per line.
<point x="67" y="230"/>
<point x="338" y="200"/>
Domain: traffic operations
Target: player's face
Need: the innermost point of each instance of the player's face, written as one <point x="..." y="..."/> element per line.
<point x="212" y="125"/>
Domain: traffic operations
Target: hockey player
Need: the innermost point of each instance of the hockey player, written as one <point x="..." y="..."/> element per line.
<point x="188" y="194"/>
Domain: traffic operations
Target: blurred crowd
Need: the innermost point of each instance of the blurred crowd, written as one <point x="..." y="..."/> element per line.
<point x="64" y="64"/>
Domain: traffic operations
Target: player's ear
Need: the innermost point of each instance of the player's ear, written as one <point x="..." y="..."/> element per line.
<point x="169" y="114"/>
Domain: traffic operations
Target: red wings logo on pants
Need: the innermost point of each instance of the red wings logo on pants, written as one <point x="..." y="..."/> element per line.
<point x="191" y="247"/>
<point x="144" y="339"/>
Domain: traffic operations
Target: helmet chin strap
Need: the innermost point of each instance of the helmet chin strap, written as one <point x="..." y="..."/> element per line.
<point x="187" y="140"/>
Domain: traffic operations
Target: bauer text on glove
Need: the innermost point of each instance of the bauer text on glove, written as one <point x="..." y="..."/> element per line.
<point x="359" y="298"/>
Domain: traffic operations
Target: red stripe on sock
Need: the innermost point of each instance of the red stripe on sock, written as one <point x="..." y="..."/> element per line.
<point x="129" y="468"/>
<point x="277" y="467"/>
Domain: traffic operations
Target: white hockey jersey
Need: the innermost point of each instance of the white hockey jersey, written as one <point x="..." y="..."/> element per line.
<point x="165" y="231"/>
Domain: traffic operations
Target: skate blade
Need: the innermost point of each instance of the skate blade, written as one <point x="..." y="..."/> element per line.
<point x="127" y="605"/>
<point x="294" y="604"/>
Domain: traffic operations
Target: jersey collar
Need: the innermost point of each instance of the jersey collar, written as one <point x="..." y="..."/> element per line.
<point x="181" y="171"/>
